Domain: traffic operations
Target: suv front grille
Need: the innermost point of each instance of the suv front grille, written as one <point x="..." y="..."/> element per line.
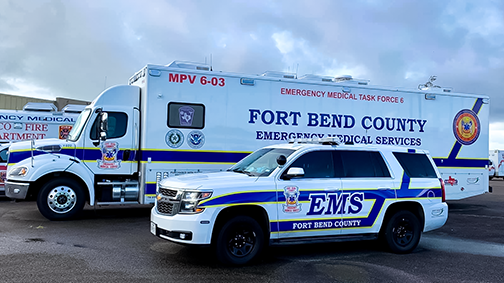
<point x="165" y="208"/>
<point x="168" y="192"/>
<point x="168" y="205"/>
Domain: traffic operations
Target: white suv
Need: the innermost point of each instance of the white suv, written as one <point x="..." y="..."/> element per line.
<point x="310" y="191"/>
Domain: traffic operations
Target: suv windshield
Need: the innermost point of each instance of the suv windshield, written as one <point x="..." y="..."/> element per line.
<point x="261" y="162"/>
<point x="79" y="125"/>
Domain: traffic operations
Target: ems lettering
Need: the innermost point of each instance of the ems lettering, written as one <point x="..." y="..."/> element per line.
<point x="333" y="203"/>
<point x="269" y="117"/>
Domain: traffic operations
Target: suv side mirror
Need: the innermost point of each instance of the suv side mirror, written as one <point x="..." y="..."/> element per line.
<point x="281" y="160"/>
<point x="293" y="172"/>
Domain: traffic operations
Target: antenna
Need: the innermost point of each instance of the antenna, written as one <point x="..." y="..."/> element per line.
<point x="211" y="68"/>
<point x="297" y="67"/>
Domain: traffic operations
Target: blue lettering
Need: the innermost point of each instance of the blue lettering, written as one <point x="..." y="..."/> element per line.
<point x="316" y="201"/>
<point x="352" y="121"/>
<point x="421" y="123"/>
<point x="363" y="122"/>
<point x="254" y="113"/>
<point x="312" y="119"/>
<point x="356" y="200"/>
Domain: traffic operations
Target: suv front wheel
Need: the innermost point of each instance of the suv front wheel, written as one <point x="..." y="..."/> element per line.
<point x="402" y="232"/>
<point x="239" y="241"/>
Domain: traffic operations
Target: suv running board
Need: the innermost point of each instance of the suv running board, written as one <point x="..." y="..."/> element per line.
<point x="324" y="239"/>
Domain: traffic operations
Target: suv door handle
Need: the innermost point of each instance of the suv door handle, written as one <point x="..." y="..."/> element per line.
<point x="383" y="188"/>
<point x="331" y="189"/>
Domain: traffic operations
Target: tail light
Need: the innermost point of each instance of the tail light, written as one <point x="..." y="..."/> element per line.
<point x="443" y="192"/>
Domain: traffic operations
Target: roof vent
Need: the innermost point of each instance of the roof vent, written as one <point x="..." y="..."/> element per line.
<point x="73" y="108"/>
<point x="189" y="65"/>
<point x="312" y="77"/>
<point x="284" y="75"/>
<point x="40" y="106"/>
<point x="343" y="78"/>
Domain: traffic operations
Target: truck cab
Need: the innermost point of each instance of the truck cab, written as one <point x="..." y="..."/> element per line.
<point x="96" y="163"/>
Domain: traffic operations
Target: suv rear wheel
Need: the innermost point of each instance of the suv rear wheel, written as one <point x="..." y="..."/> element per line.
<point x="402" y="232"/>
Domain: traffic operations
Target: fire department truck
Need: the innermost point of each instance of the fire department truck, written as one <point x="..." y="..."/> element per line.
<point x="186" y="118"/>
<point x="35" y="121"/>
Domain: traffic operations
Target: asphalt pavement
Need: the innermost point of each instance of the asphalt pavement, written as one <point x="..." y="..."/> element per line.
<point x="113" y="244"/>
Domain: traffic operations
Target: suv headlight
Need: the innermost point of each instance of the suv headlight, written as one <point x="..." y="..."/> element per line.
<point x="18" y="171"/>
<point x="190" y="200"/>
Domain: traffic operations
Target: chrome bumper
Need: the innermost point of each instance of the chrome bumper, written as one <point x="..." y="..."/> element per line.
<point x="16" y="190"/>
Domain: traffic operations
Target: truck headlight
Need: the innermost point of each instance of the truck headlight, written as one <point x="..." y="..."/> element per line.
<point x="18" y="171"/>
<point x="191" y="199"/>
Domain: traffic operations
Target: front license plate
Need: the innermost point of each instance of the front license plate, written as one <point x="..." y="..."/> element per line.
<point x="153" y="227"/>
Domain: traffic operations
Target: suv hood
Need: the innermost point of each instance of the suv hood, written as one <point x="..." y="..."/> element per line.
<point x="209" y="180"/>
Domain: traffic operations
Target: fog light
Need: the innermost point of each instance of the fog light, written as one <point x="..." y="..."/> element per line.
<point x="16" y="191"/>
<point x="182" y="236"/>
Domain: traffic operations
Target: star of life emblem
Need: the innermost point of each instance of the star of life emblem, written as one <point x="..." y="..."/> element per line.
<point x="291" y="200"/>
<point x="109" y="152"/>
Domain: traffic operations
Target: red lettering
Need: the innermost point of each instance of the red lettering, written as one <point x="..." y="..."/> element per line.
<point x="173" y="78"/>
<point x="192" y="79"/>
<point x="183" y="77"/>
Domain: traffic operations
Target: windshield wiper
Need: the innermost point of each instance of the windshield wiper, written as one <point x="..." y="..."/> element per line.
<point x="242" y="171"/>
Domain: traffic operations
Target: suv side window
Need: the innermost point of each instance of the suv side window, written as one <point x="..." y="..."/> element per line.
<point x="363" y="164"/>
<point x="316" y="164"/>
<point x="117" y="125"/>
<point x="416" y="165"/>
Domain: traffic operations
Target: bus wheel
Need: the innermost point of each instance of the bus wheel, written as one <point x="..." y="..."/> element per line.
<point x="60" y="199"/>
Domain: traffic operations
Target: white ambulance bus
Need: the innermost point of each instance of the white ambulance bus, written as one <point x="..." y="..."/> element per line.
<point x="185" y="118"/>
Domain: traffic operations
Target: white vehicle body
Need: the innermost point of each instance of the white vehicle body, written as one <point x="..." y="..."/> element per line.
<point x="497" y="159"/>
<point x="356" y="202"/>
<point x="35" y="121"/>
<point x="185" y="118"/>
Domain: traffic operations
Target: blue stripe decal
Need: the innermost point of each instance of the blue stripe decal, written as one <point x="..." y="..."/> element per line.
<point x="154" y="155"/>
<point x="82" y="154"/>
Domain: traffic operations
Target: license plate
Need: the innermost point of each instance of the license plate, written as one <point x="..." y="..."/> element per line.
<point x="153" y="227"/>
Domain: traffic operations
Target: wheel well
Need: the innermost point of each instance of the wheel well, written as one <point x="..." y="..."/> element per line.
<point x="411" y="206"/>
<point x="256" y="212"/>
<point x="35" y="186"/>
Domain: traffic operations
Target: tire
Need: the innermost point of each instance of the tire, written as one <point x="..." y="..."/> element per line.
<point x="402" y="232"/>
<point x="239" y="241"/>
<point x="61" y="199"/>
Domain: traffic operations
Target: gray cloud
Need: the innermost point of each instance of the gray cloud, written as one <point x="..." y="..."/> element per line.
<point x="76" y="48"/>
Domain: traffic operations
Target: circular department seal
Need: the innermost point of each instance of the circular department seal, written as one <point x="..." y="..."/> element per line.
<point x="196" y="139"/>
<point x="174" y="138"/>
<point x="466" y="127"/>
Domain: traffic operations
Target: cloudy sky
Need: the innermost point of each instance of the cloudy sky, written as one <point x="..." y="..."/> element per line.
<point x="76" y="48"/>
